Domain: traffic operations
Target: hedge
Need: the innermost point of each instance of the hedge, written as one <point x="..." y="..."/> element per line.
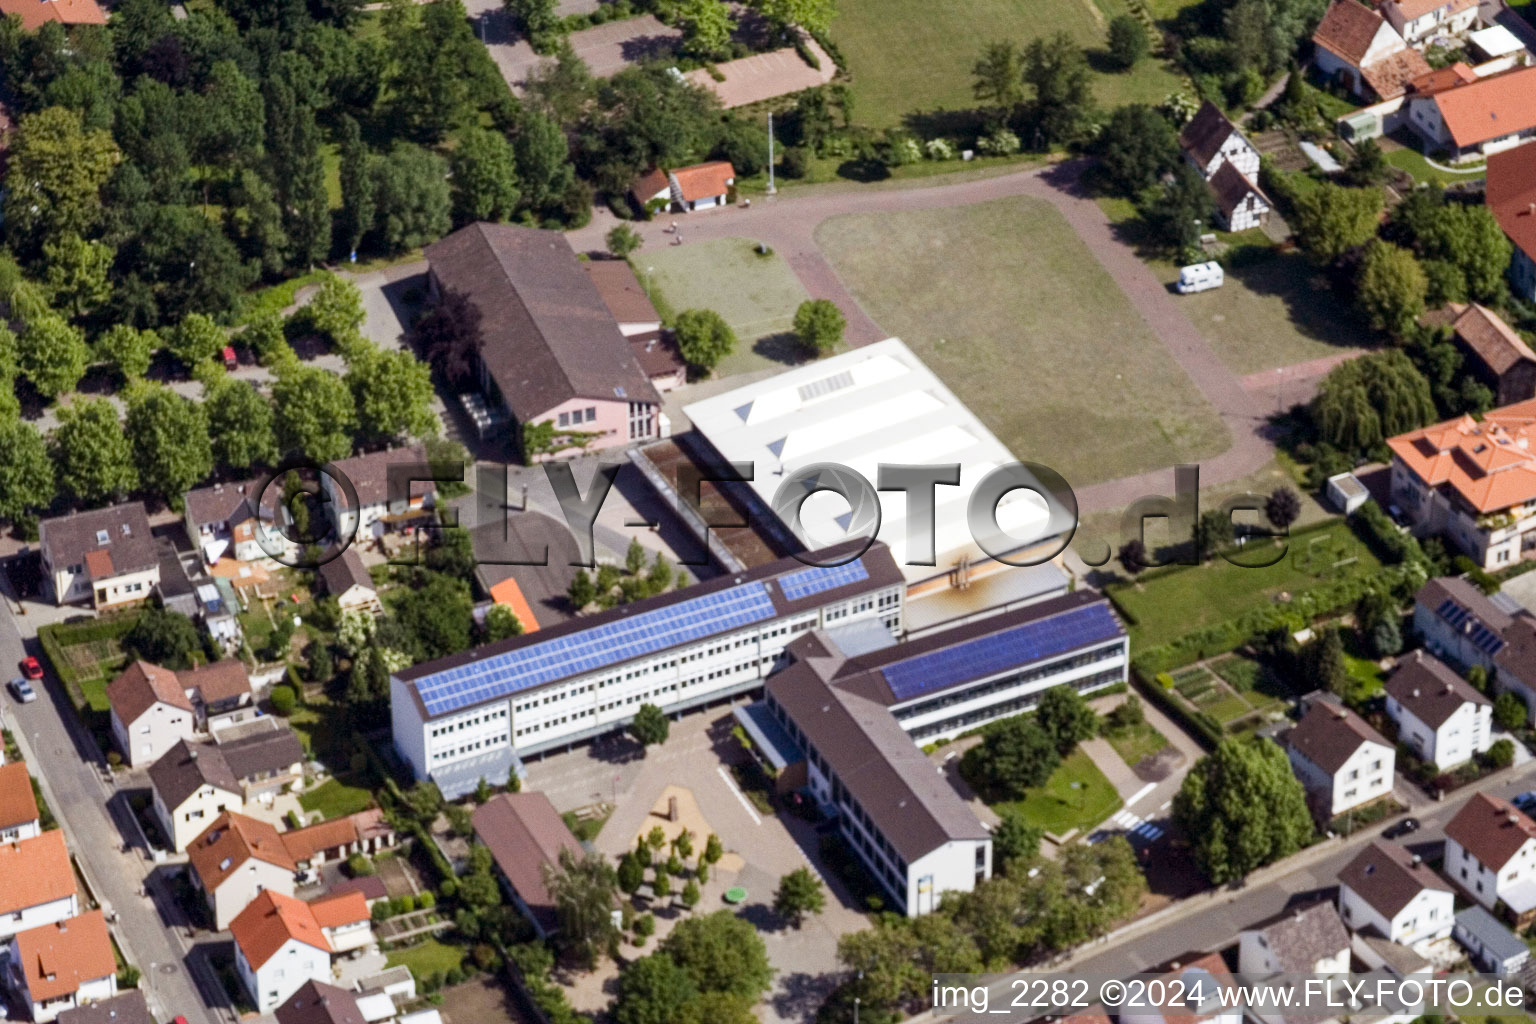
<point x="1199" y="724"/>
<point x="57" y="636"/>
<point x="1382" y="536"/>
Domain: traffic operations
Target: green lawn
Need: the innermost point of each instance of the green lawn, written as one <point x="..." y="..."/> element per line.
<point x="427" y="957"/>
<point x="910" y="56"/>
<point x="1077" y="795"/>
<point x="757" y="295"/>
<point x="1368" y="678"/>
<point x="336" y="799"/>
<point x="1175" y="602"/>
<point x="1009" y="308"/>
<point x="1137" y="743"/>
<point x="1412" y="161"/>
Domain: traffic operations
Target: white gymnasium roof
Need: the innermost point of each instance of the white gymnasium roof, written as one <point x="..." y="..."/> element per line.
<point x="873" y="405"/>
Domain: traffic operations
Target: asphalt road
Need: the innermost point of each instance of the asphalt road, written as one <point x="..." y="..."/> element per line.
<point x="71" y="770"/>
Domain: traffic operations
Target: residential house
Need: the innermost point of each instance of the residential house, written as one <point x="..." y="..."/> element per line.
<point x="1421" y="21"/>
<point x="344" y="920"/>
<point x="191" y="786"/>
<point x="18" y="806"/>
<point x="1342" y="761"/>
<point x="552" y="353"/>
<point x="1466" y="627"/>
<point x="1478" y="118"/>
<point x="366" y="832"/>
<point x="150" y="712"/>
<point x="1472" y="482"/>
<point x="278" y="947"/>
<point x="1240" y="204"/>
<point x="34" y="14"/>
<point x="220" y="692"/>
<point x="1493" y="948"/>
<point x="639" y="322"/>
<point x="124" y="1008"/>
<point x="346" y="579"/>
<point x="1437" y="712"/>
<point x="686" y="189"/>
<point x="1210" y="140"/>
<point x="1493" y="352"/>
<point x="264" y="755"/>
<point x="1305" y="940"/>
<point x="1202" y="977"/>
<point x="105" y="557"/>
<point x="234" y="860"/>
<point x="1355" y="45"/>
<point x="1490" y="852"/>
<point x="37" y="883"/>
<point x="1390" y="891"/>
<point x="63" y="965"/>
<point x="375" y="504"/>
<point x="218" y="609"/>
<point x="316" y="1002"/>
<point x="223" y="520"/>
<point x="526" y="836"/>
<point x="1511" y="197"/>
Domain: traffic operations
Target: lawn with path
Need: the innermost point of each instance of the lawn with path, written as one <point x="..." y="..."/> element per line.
<point x="1076" y="796"/>
<point x="335" y="798"/>
<point x="1006" y="304"/>
<point x="426" y="958"/>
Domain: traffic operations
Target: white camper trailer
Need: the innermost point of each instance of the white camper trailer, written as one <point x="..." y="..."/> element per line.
<point x="1200" y="277"/>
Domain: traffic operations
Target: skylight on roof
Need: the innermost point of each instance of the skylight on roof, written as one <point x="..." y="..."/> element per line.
<point x="826" y="385"/>
<point x="102" y="537"/>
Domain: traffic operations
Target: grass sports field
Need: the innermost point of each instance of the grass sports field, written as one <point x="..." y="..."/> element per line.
<point x="1008" y="307"/>
<point x="915" y="55"/>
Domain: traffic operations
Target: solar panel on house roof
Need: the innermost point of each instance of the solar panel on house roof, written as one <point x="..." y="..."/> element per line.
<point x="1453" y="613"/>
<point x="818" y="580"/>
<point x="608" y="644"/>
<point x="989" y="655"/>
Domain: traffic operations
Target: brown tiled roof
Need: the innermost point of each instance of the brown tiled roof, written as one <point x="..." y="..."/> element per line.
<point x="188" y="767"/>
<point x="71" y="539"/>
<point x="369" y="473"/>
<point x="1391" y="75"/>
<point x="1429" y="690"/>
<point x="525" y="834"/>
<point x="1457" y="74"/>
<point x="34" y="872"/>
<point x="1347" y="30"/>
<point x="657" y="354"/>
<point x="704" y="181"/>
<point x="56" y="959"/>
<point x="1494" y="343"/>
<point x="271" y="919"/>
<point x="1386" y="876"/>
<point x="620" y="291"/>
<point x="303" y="843"/>
<point x="217" y="681"/>
<point x="651" y="184"/>
<point x="318" y="1003"/>
<point x="1511" y="195"/>
<point x="371" y="824"/>
<point x="1440" y="589"/>
<point x="548" y="338"/>
<point x="229" y="842"/>
<point x="1517" y="658"/>
<point x="221" y="503"/>
<point x="258" y="752"/>
<point x="1490" y="108"/>
<point x="371" y="886"/>
<point x="1206" y="131"/>
<point x="1329" y="734"/>
<point x="34" y="14"/>
<point x="124" y="1008"/>
<point x="1300" y="938"/>
<point x="1231" y="187"/>
<point x="344" y="572"/>
<point x="1490" y="829"/>
<point x="17" y="804"/>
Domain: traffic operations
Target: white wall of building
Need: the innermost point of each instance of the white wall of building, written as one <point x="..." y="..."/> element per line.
<point x="1429" y="915"/>
<point x="185" y="823"/>
<point x="1479" y="880"/>
<point x="1366" y="776"/>
<point x="1462" y="736"/>
<point x="241" y="887"/>
<point x="284" y="973"/>
<point x="89" y="992"/>
<point x="1254" y="957"/>
<point x="13" y="921"/>
<point x="147" y="738"/>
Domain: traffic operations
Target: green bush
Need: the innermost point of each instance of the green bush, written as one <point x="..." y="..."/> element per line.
<point x="426" y="900"/>
<point x="284" y="700"/>
<point x="359" y="866"/>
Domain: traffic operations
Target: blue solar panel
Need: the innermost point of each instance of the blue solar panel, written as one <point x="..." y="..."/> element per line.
<point x="806" y="582"/>
<point x="989" y="655"/>
<point x="595" y="648"/>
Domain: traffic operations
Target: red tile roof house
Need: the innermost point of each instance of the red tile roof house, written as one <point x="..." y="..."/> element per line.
<point x="1355" y="45"/>
<point x="1477" y="118"/>
<point x="1472" y="482"/>
<point x="1419" y="21"/>
<point x="1490" y="853"/>
<point x="18" y="807"/>
<point x="105" y="557"/>
<point x="60" y="966"/>
<point x="552" y="353"/>
<point x="686" y="189"/>
<point x="639" y="322"/>
<point x="37" y="883"/>
<point x="281" y="943"/>
<point x="34" y="14"/>
<point x="1511" y="198"/>
<point x="236" y="858"/>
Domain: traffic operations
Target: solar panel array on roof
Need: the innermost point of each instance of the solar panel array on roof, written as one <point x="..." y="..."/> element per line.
<point x="818" y="580"/>
<point x="989" y="655"/>
<point x="591" y="649"/>
<point x="1481" y="636"/>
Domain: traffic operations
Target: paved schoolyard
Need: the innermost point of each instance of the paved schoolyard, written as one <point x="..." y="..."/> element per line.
<point x="607" y="49"/>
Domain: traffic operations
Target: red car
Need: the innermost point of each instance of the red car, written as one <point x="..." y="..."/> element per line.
<point x="31" y="668"/>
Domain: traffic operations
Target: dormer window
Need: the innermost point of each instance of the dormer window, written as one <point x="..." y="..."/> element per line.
<point x="102" y="537"/>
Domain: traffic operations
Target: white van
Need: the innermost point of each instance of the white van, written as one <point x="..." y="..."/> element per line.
<point x="1200" y="277"/>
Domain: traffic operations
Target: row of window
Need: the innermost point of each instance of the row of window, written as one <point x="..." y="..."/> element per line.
<point x="1016" y="706"/>
<point x="577" y="416"/>
<point x="1038" y="671"/>
<point x="666" y="693"/>
<point x="471" y="748"/>
<point x="468" y="723"/>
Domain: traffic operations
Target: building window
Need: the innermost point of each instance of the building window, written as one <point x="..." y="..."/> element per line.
<point x="564" y="419"/>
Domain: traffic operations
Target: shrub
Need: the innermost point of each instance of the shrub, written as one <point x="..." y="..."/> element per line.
<point x="795" y="162"/>
<point x="939" y="149"/>
<point x="426" y="900"/>
<point x="359" y="866"/>
<point x="407" y="903"/>
<point x="998" y="142"/>
<point x="1502" y="753"/>
<point x="284" y="700"/>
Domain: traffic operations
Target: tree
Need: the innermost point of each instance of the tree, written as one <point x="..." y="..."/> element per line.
<point x="95" y="462"/>
<point x="392" y="393"/>
<point x="430" y="91"/>
<point x="713" y="850"/>
<point x="1213" y="532"/>
<point x="1133" y="556"/>
<point x="707" y="27"/>
<point x="652" y="990"/>
<point x="1128" y="41"/>
<point x="356" y="173"/>
<point x="1331" y="220"/>
<point x="998" y="77"/>
<point x="1324" y="658"/>
<point x="127" y="350"/>
<point x="1502" y="753"/>
<point x="1368" y="165"/>
<point x="52" y="354"/>
<point x="1066" y="718"/>
<point x="1177" y="212"/>
<point x="721" y="953"/>
<point x="314" y="413"/>
<point x="1391" y="288"/>
<point x="887" y="960"/>
<point x="57" y="170"/>
<point x="76" y="273"/>
<point x="1509" y="711"/>
<point x="623" y="240"/>
<point x="691" y="894"/>
<point x="335" y="311"/>
<point x="196" y="340"/>
<point x="661" y="883"/>
<point x="1386" y="638"/>
<point x="484" y="176"/>
<point x="1136" y="148"/>
<point x="1242" y="808"/>
<point x="631" y="873"/>
<point x="650" y="725"/>
<point x="163" y="637"/>
<point x="501" y="622"/>
<point x="1063" y="83"/>
<point x="582" y="592"/>
<point x="543" y="159"/>
<point x="450" y="337"/>
<point x="171" y="445"/>
<point x="412" y="201"/>
<point x="1459" y="239"/>
<point x="1361" y="403"/>
<point x="26" y="473"/>
<point x="284" y="700"/>
<point x="819" y="326"/>
<point x="815" y="16"/>
<point x="437" y="617"/>
<point x="1015" y="756"/>
<point x="799" y="893"/>
<point x="295" y="165"/>
<point x="1014" y="838"/>
<point x="703" y="338"/>
<point x="240" y="423"/>
<point x="1282" y="507"/>
<point x="535" y="19"/>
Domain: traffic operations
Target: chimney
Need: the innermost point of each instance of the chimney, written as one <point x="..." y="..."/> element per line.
<point x="1415" y="693"/>
<point x="1416" y="860"/>
<point x="1514" y="819"/>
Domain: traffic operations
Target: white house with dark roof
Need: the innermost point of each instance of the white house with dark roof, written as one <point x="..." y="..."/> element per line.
<point x="347" y="580"/>
<point x="1304" y="940"/>
<point x="150" y="713"/>
<point x="105" y="557"/>
<point x="223" y="521"/>
<point x="1420" y="21"/>
<point x="191" y="786"/>
<point x="1356" y="46"/>
<point x="380" y="507"/>
<point x="1465" y="627"/>
<point x="1210" y="140"/>
<point x="1437" y="712"/>
<point x="1341" y="760"/>
<point x="1490" y="852"/>
<point x="1390" y="891"/>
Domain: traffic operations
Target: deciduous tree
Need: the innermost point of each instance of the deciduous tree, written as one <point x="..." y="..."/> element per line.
<point x="413" y="204"/>
<point x="1364" y="401"/>
<point x="314" y="413"/>
<point x="196" y="340"/>
<point x="721" y="953"/>
<point x="1063" y="85"/>
<point x="95" y="462"/>
<point x="819" y="325"/>
<point x="52" y="354"/>
<point x="1332" y="219"/>
<point x="1066" y="718"/>
<point x="1391" y="288"/>
<point x="484" y="176"/>
<point x="1136" y="148"/>
<point x="1282" y="507"/>
<point x="76" y="274"/>
<point x="393" y="394"/>
<point x="26" y="473"/>
<point x="127" y="350"/>
<point x="653" y="990"/>
<point x="1128" y="41"/>
<point x="584" y="892"/>
<point x="1242" y="808"/>
<point x="57" y="169"/>
<point x="1014" y="756"/>
<point x="650" y="725"/>
<point x="240" y="423"/>
<point x="170" y="440"/>
<point x="799" y="893"/>
<point x="703" y="337"/>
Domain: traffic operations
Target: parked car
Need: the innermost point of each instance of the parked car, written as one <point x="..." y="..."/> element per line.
<point x="1406" y="827"/>
<point x="31" y="668"/>
<point x="1525" y="801"/>
<point x="22" y="691"/>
